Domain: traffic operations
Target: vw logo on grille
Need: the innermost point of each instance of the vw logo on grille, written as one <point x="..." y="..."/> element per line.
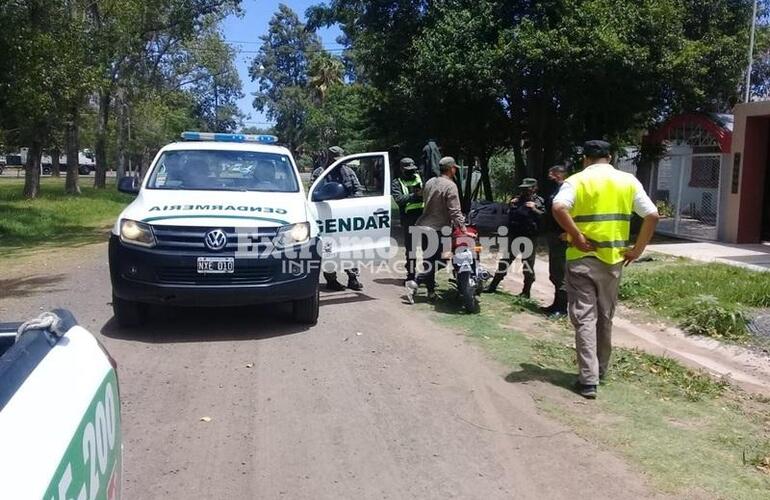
<point x="216" y="239"/>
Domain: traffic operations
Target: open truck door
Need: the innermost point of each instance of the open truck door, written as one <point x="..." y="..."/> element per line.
<point x="354" y="214"/>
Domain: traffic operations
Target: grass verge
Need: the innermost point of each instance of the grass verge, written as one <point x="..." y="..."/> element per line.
<point x="54" y="219"/>
<point x="693" y="436"/>
<point x="704" y="299"/>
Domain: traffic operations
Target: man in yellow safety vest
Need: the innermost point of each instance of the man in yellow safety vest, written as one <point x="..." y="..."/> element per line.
<point x="595" y="207"/>
<point x="407" y="193"/>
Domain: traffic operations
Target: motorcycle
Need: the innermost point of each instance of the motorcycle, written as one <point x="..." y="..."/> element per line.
<point x="469" y="274"/>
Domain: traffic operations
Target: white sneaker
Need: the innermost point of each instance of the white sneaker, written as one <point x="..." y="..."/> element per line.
<point x="411" y="290"/>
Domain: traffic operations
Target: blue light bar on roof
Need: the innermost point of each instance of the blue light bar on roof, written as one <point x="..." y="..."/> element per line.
<point x="216" y="137"/>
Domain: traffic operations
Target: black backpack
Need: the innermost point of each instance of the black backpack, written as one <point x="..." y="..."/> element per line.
<point x="488" y="216"/>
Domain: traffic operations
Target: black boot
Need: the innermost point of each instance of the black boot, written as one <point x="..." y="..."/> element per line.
<point x="527" y="289"/>
<point x="560" y="302"/>
<point x="354" y="284"/>
<point x="559" y="306"/>
<point x="492" y="288"/>
<point x="334" y="286"/>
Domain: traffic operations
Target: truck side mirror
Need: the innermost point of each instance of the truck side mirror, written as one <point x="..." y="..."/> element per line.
<point x="330" y="191"/>
<point x="128" y="185"/>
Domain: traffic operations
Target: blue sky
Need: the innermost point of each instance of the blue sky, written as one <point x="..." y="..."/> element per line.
<point x="244" y="33"/>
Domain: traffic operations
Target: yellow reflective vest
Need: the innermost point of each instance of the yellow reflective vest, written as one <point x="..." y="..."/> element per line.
<point x="604" y="205"/>
<point x="405" y="185"/>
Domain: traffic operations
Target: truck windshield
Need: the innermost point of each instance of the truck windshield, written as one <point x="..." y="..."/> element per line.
<point x="223" y="171"/>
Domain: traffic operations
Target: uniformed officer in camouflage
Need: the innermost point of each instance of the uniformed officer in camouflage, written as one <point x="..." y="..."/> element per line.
<point x="524" y="217"/>
<point x="344" y="174"/>
<point x="348" y="178"/>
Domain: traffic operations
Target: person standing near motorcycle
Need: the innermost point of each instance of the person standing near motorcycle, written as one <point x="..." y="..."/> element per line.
<point x="557" y="247"/>
<point x="524" y="218"/>
<point x="595" y="207"/>
<point x="407" y="193"/>
<point x="442" y="209"/>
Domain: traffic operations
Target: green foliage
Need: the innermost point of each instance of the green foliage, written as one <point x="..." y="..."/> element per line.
<point x="675" y="290"/>
<point x="665" y="209"/>
<point x="281" y="71"/>
<point x="59" y="58"/>
<point x="54" y="220"/>
<point x="689" y="433"/>
<point x="502" y="172"/>
<point x="667" y="377"/>
<point x="537" y="77"/>
<point x="706" y="316"/>
<point x="215" y="86"/>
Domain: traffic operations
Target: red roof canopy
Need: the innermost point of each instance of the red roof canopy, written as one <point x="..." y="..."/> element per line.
<point x="716" y="126"/>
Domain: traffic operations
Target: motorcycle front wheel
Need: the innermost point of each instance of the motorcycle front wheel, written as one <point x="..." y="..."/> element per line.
<point x="467" y="293"/>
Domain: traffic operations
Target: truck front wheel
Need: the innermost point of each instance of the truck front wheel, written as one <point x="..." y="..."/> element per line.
<point x="306" y="310"/>
<point x="128" y="313"/>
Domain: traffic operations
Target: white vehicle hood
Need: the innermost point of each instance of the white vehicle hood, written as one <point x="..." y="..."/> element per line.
<point x="217" y="208"/>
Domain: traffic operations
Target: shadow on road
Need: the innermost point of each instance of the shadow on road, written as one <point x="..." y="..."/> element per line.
<point x="190" y="324"/>
<point x="390" y="281"/>
<point x="26" y="287"/>
<point x="333" y="298"/>
<point x="532" y="373"/>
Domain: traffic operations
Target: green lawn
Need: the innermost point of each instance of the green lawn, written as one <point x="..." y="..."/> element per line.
<point x="708" y="299"/>
<point x="693" y="436"/>
<point x="54" y="219"/>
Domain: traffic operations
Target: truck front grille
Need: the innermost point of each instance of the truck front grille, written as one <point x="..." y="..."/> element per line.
<point x="191" y="238"/>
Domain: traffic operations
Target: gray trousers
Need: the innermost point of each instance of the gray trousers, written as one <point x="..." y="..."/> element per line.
<point x="592" y="288"/>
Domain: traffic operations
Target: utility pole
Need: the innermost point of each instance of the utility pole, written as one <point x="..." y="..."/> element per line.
<point x="751" y="52"/>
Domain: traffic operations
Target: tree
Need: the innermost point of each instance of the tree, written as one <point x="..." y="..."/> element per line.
<point x="137" y="37"/>
<point x="43" y="76"/>
<point x="326" y="72"/>
<point x="545" y="74"/>
<point x="281" y="69"/>
<point x="213" y="81"/>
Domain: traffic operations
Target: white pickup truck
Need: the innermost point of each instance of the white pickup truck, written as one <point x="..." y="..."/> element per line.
<point x="60" y="435"/>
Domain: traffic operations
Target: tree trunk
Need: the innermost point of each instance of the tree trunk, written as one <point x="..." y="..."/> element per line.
<point x="100" y="144"/>
<point x="485" y="180"/>
<point x="72" y="146"/>
<point x="121" y="158"/>
<point x="55" y="163"/>
<point x="32" y="170"/>
<point x="145" y="163"/>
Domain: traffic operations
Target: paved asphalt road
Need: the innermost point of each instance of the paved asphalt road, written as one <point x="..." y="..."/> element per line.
<point x="376" y="401"/>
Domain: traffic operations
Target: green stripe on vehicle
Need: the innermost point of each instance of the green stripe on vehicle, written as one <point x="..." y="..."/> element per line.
<point x="91" y="467"/>
<point x="265" y="219"/>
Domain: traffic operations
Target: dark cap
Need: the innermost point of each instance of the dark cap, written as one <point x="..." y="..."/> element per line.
<point x="596" y="149"/>
<point x="528" y="182"/>
<point x="407" y="164"/>
<point x="337" y="152"/>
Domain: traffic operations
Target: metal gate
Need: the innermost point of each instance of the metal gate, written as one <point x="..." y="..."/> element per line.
<point x="687" y="194"/>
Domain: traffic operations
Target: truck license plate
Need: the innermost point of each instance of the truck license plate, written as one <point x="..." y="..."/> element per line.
<point x="216" y="265"/>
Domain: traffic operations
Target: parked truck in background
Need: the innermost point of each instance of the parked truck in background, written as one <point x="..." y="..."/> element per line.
<point x="86" y="162"/>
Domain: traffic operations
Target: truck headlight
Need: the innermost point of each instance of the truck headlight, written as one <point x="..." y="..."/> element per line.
<point x="136" y="233"/>
<point x="293" y="234"/>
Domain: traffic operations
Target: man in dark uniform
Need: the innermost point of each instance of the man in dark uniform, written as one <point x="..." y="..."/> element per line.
<point x="523" y="221"/>
<point x="348" y="178"/>
<point x="557" y="247"/>
<point x="407" y="193"/>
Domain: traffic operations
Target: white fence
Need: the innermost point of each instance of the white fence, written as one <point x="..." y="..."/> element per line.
<point x="687" y="190"/>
